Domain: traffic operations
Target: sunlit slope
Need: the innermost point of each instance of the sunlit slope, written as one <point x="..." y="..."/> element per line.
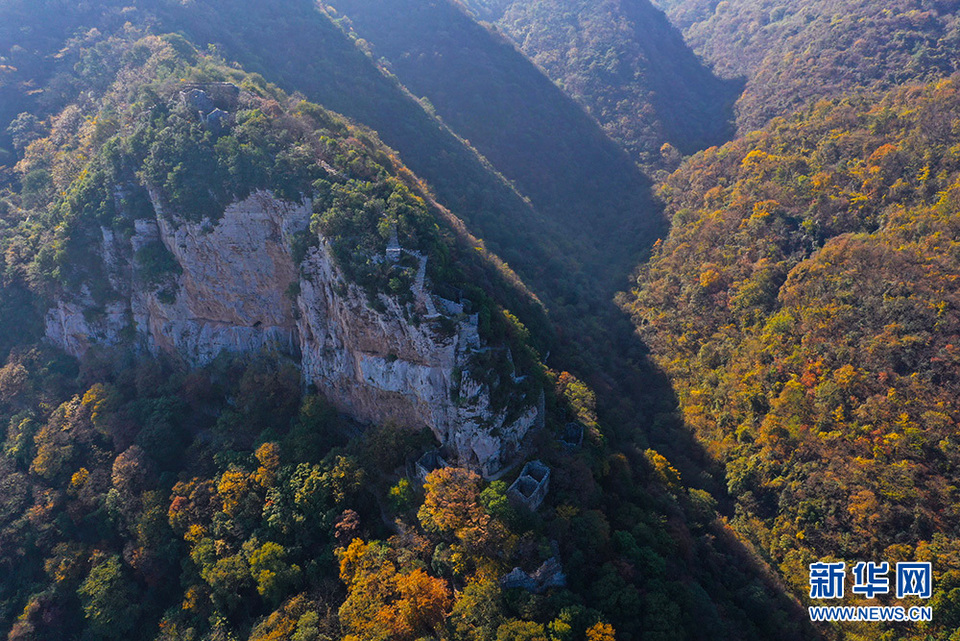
<point x="791" y="52"/>
<point x="806" y="307"/>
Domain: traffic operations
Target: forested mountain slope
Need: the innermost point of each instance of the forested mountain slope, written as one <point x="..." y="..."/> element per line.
<point x="791" y="53"/>
<point x="567" y="248"/>
<point x="141" y="497"/>
<point x="30" y="40"/>
<point x="302" y="50"/>
<point x="533" y="133"/>
<point x="627" y="66"/>
<point x="806" y="306"/>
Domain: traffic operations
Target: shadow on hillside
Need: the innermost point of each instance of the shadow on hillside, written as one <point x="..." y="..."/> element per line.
<point x="636" y="398"/>
<point x="589" y="219"/>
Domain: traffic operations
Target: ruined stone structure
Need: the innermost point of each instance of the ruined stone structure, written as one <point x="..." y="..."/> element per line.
<point x="224" y="95"/>
<point x="213" y="102"/>
<point x="549" y="575"/>
<point x="531" y="486"/>
<point x="572" y="435"/>
<point x="430" y="461"/>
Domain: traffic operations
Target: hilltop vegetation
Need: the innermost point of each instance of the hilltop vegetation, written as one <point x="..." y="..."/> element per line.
<point x="142" y="134"/>
<point x="792" y="53"/>
<point x="271" y="39"/>
<point x="807" y="310"/>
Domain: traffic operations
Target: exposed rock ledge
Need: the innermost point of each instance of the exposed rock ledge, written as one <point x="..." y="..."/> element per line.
<point x="234" y="294"/>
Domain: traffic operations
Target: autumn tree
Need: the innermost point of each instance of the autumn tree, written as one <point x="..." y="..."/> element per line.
<point x="298" y="619"/>
<point x="384" y="602"/>
<point x="601" y="632"/>
<point x="452" y="507"/>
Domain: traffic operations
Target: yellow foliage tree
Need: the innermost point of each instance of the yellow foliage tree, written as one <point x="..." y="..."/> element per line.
<point x="384" y="603"/>
<point x="601" y="632"/>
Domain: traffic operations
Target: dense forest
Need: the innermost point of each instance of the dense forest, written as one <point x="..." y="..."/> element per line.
<point x="477" y="179"/>
<point x="805" y="306"/>
<point x="143" y="497"/>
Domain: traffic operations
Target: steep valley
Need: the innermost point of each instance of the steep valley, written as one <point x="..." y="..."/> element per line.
<point x="265" y="306"/>
<point x="628" y="67"/>
<point x="475" y="320"/>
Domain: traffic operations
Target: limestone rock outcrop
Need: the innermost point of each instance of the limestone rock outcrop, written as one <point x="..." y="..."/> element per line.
<point x="237" y="288"/>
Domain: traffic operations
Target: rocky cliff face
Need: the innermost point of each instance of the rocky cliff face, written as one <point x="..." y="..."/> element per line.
<point x="232" y="292"/>
<point x="239" y="290"/>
